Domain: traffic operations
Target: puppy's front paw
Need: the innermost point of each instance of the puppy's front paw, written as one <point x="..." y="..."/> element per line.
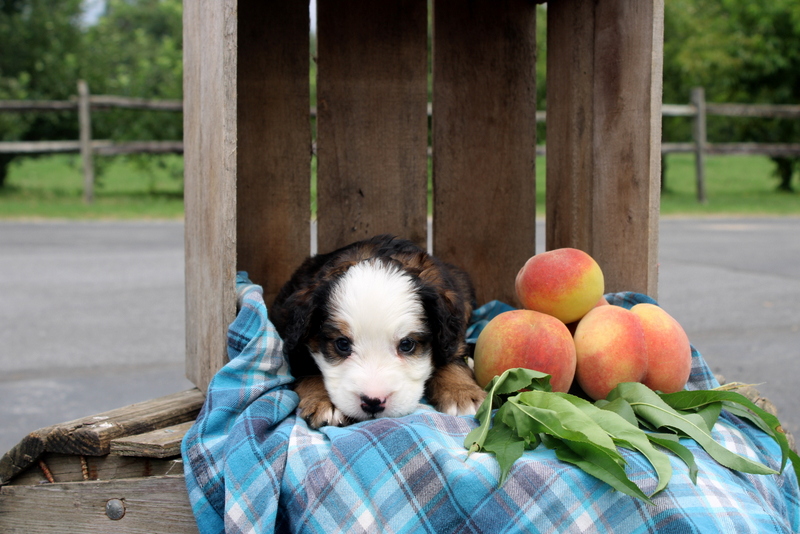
<point x="323" y="414"/>
<point x="315" y="405"/>
<point x="453" y="390"/>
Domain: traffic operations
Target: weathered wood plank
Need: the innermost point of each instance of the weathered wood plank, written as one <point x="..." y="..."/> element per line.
<point x="771" y="111"/>
<point x="151" y="505"/>
<point x="159" y="443"/>
<point x="273" y="177"/>
<point x="138" y="147"/>
<point x="71" y="468"/>
<point x="113" y="101"/>
<point x="38" y="105"/>
<point x="87" y="155"/>
<point x="102" y="148"/>
<point x="570" y="117"/>
<point x="210" y="41"/>
<point x="627" y="135"/>
<point x="22" y="455"/>
<point x="700" y="142"/>
<point x="37" y="147"/>
<point x="604" y="166"/>
<point x="92" y="435"/>
<point x="372" y="121"/>
<point x="484" y="140"/>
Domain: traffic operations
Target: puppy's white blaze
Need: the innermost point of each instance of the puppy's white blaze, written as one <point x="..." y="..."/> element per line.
<point x="380" y="306"/>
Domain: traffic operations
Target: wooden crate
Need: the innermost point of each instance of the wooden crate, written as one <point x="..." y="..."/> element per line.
<point x="248" y="148"/>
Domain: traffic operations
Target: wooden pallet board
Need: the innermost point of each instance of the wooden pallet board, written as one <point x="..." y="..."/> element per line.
<point x="71" y="468"/>
<point x="160" y="443"/>
<point x="151" y="505"/>
<point x="92" y="436"/>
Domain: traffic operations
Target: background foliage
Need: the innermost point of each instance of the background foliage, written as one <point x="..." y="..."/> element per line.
<point x="738" y="50"/>
<point x="134" y="49"/>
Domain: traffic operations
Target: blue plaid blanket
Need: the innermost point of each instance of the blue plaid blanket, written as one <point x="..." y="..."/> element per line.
<point x="253" y="466"/>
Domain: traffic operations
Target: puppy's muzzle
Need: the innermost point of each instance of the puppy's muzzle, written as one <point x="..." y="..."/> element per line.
<point x="372" y="405"/>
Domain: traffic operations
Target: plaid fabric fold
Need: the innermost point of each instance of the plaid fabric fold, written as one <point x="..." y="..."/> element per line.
<point x="252" y="466"/>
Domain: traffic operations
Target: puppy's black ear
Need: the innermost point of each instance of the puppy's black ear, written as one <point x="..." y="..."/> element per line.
<point x="445" y="310"/>
<point x="297" y="319"/>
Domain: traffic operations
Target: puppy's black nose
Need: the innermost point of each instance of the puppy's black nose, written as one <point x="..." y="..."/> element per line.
<point x="371" y="405"/>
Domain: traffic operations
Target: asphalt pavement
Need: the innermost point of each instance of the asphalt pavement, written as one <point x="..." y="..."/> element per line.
<point x="92" y="313"/>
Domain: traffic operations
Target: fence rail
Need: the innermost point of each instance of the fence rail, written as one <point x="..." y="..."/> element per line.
<point x="699" y="110"/>
<point x="84" y="103"/>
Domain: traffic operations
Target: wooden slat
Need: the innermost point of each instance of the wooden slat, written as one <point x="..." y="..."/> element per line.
<point x="484" y="135"/>
<point x="92" y="435"/>
<point x="570" y="118"/>
<point x="159" y="443"/>
<point x="152" y="505"/>
<point x="70" y="468"/>
<point x="274" y="149"/>
<point x="35" y="147"/>
<point x="604" y="134"/>
<point x="372" y="121"/>
<point x="210" y="182"/>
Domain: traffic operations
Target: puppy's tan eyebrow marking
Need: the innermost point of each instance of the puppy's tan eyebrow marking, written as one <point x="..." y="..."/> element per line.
<point x="333" y="328"/>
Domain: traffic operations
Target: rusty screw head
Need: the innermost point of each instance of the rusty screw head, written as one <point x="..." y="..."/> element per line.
<point x="115" y="509"/>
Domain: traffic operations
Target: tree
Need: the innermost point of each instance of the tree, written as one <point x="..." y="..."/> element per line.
<point x="41" y="42"/>
<point x="739" y="51"/>
<point x="133" y="50"/>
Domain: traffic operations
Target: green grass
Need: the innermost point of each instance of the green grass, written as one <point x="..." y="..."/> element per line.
<point x="52" y="187"/>
<point x="739" y="185"/>
<point x="125" y="188"/>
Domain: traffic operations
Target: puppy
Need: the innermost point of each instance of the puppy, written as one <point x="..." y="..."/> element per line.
<point x="372" y="327"/>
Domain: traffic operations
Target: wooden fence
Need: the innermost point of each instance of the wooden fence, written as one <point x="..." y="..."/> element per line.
<point x="85" y="103"/>
<point x="698" y="109"/>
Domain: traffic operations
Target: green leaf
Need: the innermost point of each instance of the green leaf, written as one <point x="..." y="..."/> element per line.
<point x="619" y="407"/>
<point x="506" y="445"/>
<point x="547" y="413"/>
<point x="594" y="461"/>
<point x="687" y="400"/>
<point x="671" y="443"/>
<point x="497" y="389"/>
<point x="709" y="413"/>
<point x="648" y="405"/>
<point x="626" y="435"/>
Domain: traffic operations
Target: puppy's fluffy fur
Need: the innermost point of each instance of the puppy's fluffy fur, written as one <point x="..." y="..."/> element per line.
<point x="371" y="328"/>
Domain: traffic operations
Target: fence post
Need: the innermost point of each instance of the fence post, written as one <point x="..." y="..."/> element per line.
<point x="699" y="135"/>
<point x="84" y="118"/>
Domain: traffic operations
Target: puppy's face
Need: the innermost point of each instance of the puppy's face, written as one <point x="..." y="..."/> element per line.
<point x="374" y="348"/>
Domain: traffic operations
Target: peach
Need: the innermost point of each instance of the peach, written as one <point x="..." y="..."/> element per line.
<point x="610" y="348"/>
<point x="574" y="324"/>
<point x="528" y="339"/>
<point x="669" y="354"/>
<point x="565" y="283"/>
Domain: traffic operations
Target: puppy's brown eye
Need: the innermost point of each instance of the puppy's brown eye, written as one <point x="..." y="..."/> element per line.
<point x="407" y="345"/>
<point x="343" y="346"/>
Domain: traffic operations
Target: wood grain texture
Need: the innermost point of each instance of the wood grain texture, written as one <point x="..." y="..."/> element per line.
<point x="570" y="115"/>
<point x="153" y="505"/>
<point x="372" y="120"/>
<point x="604" y="146"/>
<point x="274" y="141"/>
<point x="484" y="140"/>
<point x="210" y="43"/>
<point x="92" y="435"/>
<point x="69" y="468"/>
<point x="160" y="443"/>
